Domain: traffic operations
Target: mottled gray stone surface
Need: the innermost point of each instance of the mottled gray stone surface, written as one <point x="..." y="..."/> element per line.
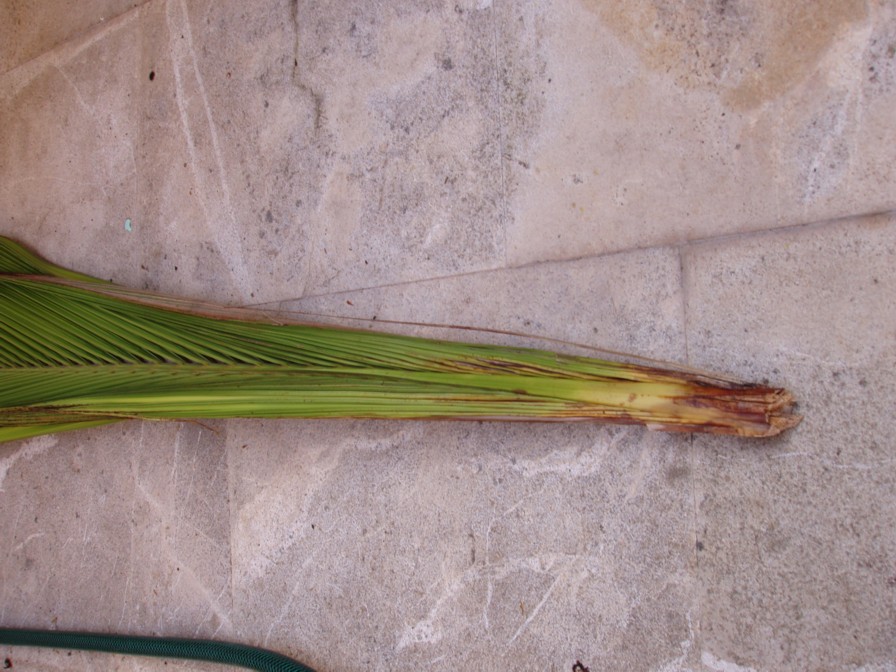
<point x="667" y="121"/>
<point x="796" y="566"/>
<point x="29" y="28"/>
<point x="695" y="182"/>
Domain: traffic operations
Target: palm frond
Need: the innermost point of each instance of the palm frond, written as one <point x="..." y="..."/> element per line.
<point x="79" y="352"/>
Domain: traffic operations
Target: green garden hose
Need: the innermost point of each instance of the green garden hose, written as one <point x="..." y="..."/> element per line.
<point x="227" y="653"/>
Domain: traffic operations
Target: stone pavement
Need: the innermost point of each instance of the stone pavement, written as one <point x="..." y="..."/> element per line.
<point x="710" y="182"/>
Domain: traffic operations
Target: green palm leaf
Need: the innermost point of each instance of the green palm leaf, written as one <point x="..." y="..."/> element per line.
<point x="78" y="352"/>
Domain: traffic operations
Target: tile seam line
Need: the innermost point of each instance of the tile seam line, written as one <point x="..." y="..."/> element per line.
<point x="830" y="222"/>
<point x="695" y="602"/>
<point x="672" y="246"/>
<point x="681" y="253"/>
<point x="839" y="220"/>
<point x="87" y="36"/>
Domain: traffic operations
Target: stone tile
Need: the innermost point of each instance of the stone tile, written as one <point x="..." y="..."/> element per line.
<point x="315" y="151"/>
<point x="662" y="122"/>
<point x="68" y="160"/>
<point x="124" y="529"/>
<point x="29" y="29"/>
<point x="382" y="545"/>
<point x="309" y="151"/>
<point x="797" y="550"/>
